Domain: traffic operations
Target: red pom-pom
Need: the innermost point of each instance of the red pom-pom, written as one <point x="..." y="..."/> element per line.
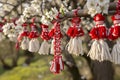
<point x="78" y="32"/>
<point x="25" y="33"/>
<point x="93" y="33"/>
<point x="116" y="31"/>
<point x="110" y="35"/>
<point x="45" y="36"/>
<point x="70" y="32"/>
<point x="102" y="32"/>
<point x="33" y="34"/>
<point x="99" y="17"/>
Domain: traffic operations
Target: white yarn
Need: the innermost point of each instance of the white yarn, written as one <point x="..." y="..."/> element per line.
<point x="25" y="43"/>
<point x="61" y="63"/>
<point x="94" y="52"/>
<point x="105" y="53"/>
<point x="99" y="51"/>
<point x="34" y="45"/>
<point x="116" y="52"/>
<point x="69" y="46"/>
<point x="44" y="49"/>
<point x="74" y="46"/>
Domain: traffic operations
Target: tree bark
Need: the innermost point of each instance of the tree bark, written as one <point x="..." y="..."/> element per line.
<point x="72" y="67"/>
<point x="29" y="57"/>
<point x="102" y="70"/>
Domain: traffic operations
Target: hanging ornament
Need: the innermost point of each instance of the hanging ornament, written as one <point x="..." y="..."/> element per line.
<point x="44" y="49"/>
<point x="23" y="38"/>
<point x="114" y="34"/>
<point x="75" y="32"/>
<point x="57" y="63"/>
<point x="34" y="43"/>
<point x="99" y="49"/>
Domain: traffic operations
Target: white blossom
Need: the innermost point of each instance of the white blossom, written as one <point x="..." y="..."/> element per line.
<point x="11" y="31"/>
<point x="97" y="6"/>
<point x="55" y="10"/>
<point x="45" y="21"/>
<point x="91" y="4"/>
<point x="49" y="15"/>
<point x="103" y="2"/>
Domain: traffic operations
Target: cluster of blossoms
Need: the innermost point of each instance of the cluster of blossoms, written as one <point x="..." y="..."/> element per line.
<point x="97" y="6"/>
<point x="11" y="31"/>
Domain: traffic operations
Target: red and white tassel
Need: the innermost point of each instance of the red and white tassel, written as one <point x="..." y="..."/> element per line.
<point x="115" y="33"/>
<point x="99" y="49"/>
<point x="57" y="63"/>
<point x="23" y="38"/>
<point x="75" y="32"/>
<point x="45" y="46"/>
<point x="34" y="43"/>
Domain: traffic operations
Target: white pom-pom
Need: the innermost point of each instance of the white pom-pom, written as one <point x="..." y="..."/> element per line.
<point x="116" y="52"/>
<point x="44" y="49"/>
<point x="25" y="43"/>
<point x="34" y="45"/>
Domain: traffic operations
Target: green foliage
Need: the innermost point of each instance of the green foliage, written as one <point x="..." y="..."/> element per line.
<point x="37" y="70"/>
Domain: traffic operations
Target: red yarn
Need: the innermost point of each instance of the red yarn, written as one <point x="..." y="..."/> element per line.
<point x="102" y="32"/>
<point x="33" y="34"/>
<point x="111" y="36"/>
<point x="45" y="32"/>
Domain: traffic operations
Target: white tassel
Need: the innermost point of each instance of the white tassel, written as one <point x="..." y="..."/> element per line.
<point x="75" y="46"/>
<point x="116" y="52"/>
<point x="52" y="47"/>
<point x="105" y="53"/>
<point x="34" y="45"/>
<point x="25" y="43"/>
<point x="44" y="49"/>
<point x="69" y="45"/>
<point x="94" y="52"/>
<point x="80" y="48"/>
<point x="99" y="51"/>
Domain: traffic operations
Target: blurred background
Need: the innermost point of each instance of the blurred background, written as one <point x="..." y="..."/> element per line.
<point x="24" y="65"/>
